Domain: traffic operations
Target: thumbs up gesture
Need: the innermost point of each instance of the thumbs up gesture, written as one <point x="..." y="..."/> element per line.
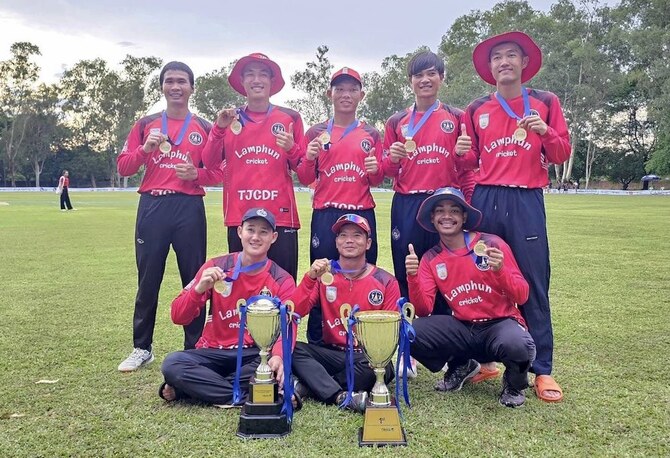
<point x="371" y="164"/>
<point x="411" y="261"/>
<point x="285" y="138"/>
<point x="186" y="171"/>
<point x="464" y="142"/>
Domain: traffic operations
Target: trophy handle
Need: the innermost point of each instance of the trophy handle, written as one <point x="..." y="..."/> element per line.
<point x="408" y="311"/>
<point x="240" y="303"/>
<point x="345" y="311"/>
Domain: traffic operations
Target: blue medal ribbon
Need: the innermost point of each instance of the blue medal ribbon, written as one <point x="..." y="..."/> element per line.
<point x="244" y="117"/>
<point x="412" y="129"/>
<point x="238" y="269"/>
<point x="407" y="336"/>
<point x="336" y="268"/>
<point x="237" y="395"/>
<point x="505" y="106"/>
<point x="347" y="131"/>
<point x="182" y="132"/>
<point x="349" y="361"/>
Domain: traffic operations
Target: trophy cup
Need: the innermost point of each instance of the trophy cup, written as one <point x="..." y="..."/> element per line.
<point x="261" y="415"/>
<point x="377" y="331"/>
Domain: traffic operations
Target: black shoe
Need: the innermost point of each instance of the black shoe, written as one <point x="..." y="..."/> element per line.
<point x="511" y="397"/>
<point x="457" y="376"/>
<point x="301" y="389"/>
<point x="358" y="402"/>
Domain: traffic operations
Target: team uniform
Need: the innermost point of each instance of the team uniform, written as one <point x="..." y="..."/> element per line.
<point x="170" y="212"/>
<point x="486" y="324"/>
<point x="509" y="186"/>
<point x="207" y="372"/>
<point x="257" y="173"/>
<point x="63" y="187"/>
<point x="322" y="366"/>
<point x="430" y="167"/>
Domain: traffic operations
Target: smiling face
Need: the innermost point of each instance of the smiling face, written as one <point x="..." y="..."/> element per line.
<point x="426" y="83"/>
<point x="257" y="236"/>
<point x="345" y="94"/>
<point x="507" y="61"/>
<point x="352" y="242"/>
<point x="257" y="80"/>
<point x="448" y="218"/>
<point x="176" y="87"/>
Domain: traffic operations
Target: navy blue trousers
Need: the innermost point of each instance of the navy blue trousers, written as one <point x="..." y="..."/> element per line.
<point x="177" y="220"/>
<point x="517" y="215"/>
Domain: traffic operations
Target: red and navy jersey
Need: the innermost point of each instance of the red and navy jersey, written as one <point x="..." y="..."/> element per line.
<point x="257" y="172"/>
<point x="504" y="161"/>
<point x="223" y="323"/>
<point x="472" y="289"/>
<point x="64" y="182"/>
<point x="378" y="290"/>
<point x="432" y="165"/>
<point x="160" y="166"/>
<point x="341" y="179"/>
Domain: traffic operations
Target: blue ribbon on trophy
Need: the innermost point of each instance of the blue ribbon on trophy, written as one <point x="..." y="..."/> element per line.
<point x="406" y="337"/>
<point x="349" y="361"/>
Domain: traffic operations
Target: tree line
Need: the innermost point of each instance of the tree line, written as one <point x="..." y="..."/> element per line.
<point x="609" y="65"/>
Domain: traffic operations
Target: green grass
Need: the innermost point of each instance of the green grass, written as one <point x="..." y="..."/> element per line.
<point x="68" y="284"/>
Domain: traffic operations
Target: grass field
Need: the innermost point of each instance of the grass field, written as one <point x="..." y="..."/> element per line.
<point x="68" y="284"/>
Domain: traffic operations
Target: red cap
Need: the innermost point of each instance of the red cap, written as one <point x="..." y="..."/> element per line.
<point x="481" y="55"/>
<point x="351" y="218"/>
<point x="235" y="77"/>
<point x="346" y="71"/>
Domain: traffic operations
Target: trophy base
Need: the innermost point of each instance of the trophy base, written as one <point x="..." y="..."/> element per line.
<point x="381" y="427"/>
<point x="261" y="416"/>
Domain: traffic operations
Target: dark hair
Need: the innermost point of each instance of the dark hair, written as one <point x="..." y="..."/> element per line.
<point x="424" y="60"/>
<point x="175" y="65"/>
<point x="346" y="78"/>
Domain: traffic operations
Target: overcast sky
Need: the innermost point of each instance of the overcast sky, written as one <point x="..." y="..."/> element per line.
<point x="209" y="34"/>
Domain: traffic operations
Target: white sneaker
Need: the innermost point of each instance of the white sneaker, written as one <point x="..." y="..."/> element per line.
<point x="136" y="359"/>
<point x="411" y="373"/>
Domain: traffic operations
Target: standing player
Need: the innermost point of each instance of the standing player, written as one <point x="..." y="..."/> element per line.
<point x="321" y="367"/>
<point x="343" y="156"/>
<point x="260" y="145"/>
<point x="63" y="190"/>
<point x="171" y="209"/>
<point x="513" y="135"/>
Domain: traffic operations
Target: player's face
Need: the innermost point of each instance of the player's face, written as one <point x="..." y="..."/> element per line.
<point x="257" y="236"/>
<point x="448" y="218"/>
<point x="176" y="87"/>
<point x="352" y="241"/>
<point x="426" y="83"/>
<point x="346" y="95"/>
<point x="257" y="80"/>
<point x="507" y="62"/>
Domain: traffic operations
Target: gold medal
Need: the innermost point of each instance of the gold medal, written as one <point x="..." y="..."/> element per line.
<point x="236" y="127"/>
<point x="520" y="134"/>
<point x="327" y="279"/>
<point x="165" y="146"/>
<point x="480" y="248"/>
<point x="219" y="286"/>
<point x="410" y="145"/>
<point x="324" y="138"/>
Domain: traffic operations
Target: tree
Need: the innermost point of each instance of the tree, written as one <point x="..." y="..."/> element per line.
<point x="213" y="92"/>
<point x="314" y="81"/>
<point x="17" y="78"/>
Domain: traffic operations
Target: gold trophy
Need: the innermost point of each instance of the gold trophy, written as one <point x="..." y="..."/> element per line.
<point x="261" y="415"/>
<point x="377" y="332"/>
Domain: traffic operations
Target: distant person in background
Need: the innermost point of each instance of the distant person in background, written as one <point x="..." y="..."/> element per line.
<point x="63" y="186"/>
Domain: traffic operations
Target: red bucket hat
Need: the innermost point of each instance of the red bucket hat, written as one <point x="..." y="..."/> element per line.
<point x="482" y="53"/>
<point x="235" y="77"/>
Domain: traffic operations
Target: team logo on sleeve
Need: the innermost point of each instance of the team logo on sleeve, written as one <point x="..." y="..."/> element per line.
<point x="484" y="120"/>
<point x="366" y="145"/>
<point x="447" y="126"/>
<point x="376" y="297"/>
<point x="195" y="138"/>
<point x="276" y="128"/>
<point x="441" y="271"/>
<point x="331" y="293"/>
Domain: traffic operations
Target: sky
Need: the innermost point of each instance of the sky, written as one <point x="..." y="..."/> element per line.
<point x="210" y="34"/>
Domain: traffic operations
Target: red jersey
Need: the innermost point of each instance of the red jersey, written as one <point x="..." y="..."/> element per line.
<point x="223" y="324"/>
<point x="257" y="172"/>
<point x="160" y="174"/>
<point x="341" y="179"/>
<point x="504" y="161"/>
<point x="432" y="165"/>
<point x="63" y="182"/>
<point x="378" y="290"/>
<point x="473" y="291"/>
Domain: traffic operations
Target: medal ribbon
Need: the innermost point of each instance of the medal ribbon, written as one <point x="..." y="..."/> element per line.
<point x="526" y="105"/>
<point x="412" y="129"/>
<point x="238" y="269"/>
<point x="471" y="252"/>
<point x="347" y="131"/>
<point x="246" y="118"/>
<point x="349" y="362"/>
<point x="182" y="132"/>
<point x="335" y="268"/>
<point x="407" y="336"/>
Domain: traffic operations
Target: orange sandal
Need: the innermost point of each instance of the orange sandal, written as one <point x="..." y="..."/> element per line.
<point x="544" y="383"/>
<point x="485" y="374"/>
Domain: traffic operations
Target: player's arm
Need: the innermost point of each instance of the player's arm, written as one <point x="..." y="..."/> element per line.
<point x="467" y="144"/>
<point x="422" y="289"/>
<point x="390" y="154"/>
<point x="190" y="301"/>
<point x="306" y="169"/>
<point x="375" y="179"/>
<point x="507" y="271"/>
<point x="135" y="152"/>
<point x="556" y="141"/>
